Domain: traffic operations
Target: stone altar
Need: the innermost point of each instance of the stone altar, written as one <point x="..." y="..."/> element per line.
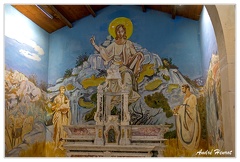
<point x="113" y="136"/>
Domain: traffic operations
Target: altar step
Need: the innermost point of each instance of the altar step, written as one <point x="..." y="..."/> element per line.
<point x="81" y="150"/>
<point x="148" y="141"/>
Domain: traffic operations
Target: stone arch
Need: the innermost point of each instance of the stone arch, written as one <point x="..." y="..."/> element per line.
<point x="223" y="21"/>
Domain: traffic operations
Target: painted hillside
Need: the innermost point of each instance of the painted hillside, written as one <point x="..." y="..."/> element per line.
<point x="159" y="85"/>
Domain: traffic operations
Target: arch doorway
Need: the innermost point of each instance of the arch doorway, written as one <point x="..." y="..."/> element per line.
<point x="223" y="21"/>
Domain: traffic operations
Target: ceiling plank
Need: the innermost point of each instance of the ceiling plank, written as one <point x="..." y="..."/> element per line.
<point x="174" y="11"/>
<point x="60" y="16"/>
<point x="89" y="8"/>
<point x="38" y="17"/>
<point x="72" y="13"/>
<point x="143" y="8"/>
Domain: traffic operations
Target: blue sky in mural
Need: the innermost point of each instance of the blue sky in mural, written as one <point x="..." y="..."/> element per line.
<point x="156" y="31"/>
<point x="26" y="45"/>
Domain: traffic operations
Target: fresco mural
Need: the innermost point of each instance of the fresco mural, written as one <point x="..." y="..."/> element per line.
<point x="163" y="38"/>
<point x="25" y="113"/>
<point x="26" y="55"/>
<point x="160" y="93"/>
<point x="155" y="84"/>
<point x="214" y="105"/>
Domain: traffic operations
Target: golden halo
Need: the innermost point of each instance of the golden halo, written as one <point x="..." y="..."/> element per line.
<point x="121" y="20"/>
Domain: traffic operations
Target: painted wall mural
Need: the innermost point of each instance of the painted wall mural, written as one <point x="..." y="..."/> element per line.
<point x="154" y="83"/>
<point x="26" y="64"/>
<point x="150" y="67"/>
<point x="214" y="105"/>
<point x="25" y="112"/>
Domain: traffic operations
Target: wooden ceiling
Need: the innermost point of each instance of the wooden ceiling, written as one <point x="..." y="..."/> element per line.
<point x="64" y="15"/>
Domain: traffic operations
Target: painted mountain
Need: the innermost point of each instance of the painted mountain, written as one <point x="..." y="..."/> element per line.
<point x="28" y="107"/>
<point x="159" y="85"/>
<point x="25" y="113"/>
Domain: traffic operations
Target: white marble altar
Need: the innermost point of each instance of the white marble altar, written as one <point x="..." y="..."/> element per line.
<point x="113" y="136"/>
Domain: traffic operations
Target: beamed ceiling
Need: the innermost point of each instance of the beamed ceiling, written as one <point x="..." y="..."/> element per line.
<point x="64" y="15"/>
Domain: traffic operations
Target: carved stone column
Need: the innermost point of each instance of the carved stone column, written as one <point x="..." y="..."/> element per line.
<point x="126" y="114"/>
<point x="125" y="135"/>
<point x="99" y="139"/>
<point x="98" y="117"/>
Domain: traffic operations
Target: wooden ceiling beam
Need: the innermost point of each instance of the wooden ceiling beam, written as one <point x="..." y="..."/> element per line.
<point x="60" y="16"/>
<point x="174" y="11"/>
<point x="89" y="8"/>
<point x="143" y="8"/>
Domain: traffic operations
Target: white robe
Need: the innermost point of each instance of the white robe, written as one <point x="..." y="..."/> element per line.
<point x="188" y="123"/>
<point x="124" y="56"/>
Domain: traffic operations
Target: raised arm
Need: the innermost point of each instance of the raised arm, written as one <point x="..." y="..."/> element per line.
<point x="92" y="40"/>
